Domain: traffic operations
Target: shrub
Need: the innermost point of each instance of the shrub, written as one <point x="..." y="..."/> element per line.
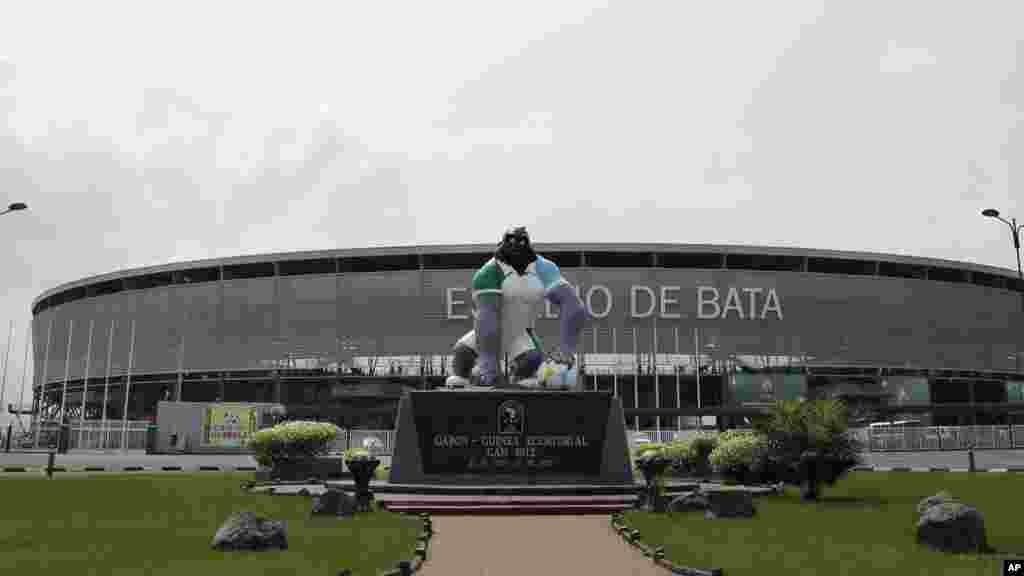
<point x="701" y="447"/>
<point x="820" y="427"/>
<point x="649" y="449"/>
<point x="679" y="454"/>
<point x="289" y="441"/>
<point x="737" y="457"/>
<point x="356" y="454"/>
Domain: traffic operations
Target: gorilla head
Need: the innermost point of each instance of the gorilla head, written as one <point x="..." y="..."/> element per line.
<point x="515" y="249"/>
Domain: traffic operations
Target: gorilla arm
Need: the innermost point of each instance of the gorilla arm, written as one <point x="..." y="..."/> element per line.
<point x="572" y="316"/>
<point x="488" y="336"/>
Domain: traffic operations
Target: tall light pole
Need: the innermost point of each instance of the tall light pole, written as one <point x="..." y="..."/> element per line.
<point x="14" y="207"/>
<point x="1015" y="233"/>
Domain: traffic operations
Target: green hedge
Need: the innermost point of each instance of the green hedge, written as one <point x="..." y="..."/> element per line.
<point x="292" y="441"/>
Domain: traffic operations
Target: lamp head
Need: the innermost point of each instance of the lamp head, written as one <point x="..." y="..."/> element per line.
<point x="990" y="212"/>
<point x="17" y="206"/>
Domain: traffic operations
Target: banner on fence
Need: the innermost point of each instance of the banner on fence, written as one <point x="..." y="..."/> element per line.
<point x="1015" y="391"/>
<point x="229" y="426"/>
<point x="766" y="388"/>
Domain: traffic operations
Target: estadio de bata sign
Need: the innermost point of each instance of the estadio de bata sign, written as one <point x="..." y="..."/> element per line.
<point x="665" y="302"/>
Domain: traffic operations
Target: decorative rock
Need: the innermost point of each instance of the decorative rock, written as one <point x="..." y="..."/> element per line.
<point x="691" y="502"/>
<point x="930" y="501"/>
<point x="950" y="526"/>
<point x="246" y="531"/>
<point x="729" y="504"/>
<point x="334" y="503"/>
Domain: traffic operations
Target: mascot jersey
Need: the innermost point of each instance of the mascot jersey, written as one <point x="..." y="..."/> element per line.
<point x="521" y="296"/>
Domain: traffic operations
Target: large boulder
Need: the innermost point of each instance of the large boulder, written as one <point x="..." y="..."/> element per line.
<point x="334" y="503"/>
<point x="247" y="531"/>
<point x="689" y="502"/>
<point x="729" y="504"/>
<point x="930" y="501"/>
<point x="950" y="526"/>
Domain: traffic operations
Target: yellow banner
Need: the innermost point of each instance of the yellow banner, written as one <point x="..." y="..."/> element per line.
<point x="230" y="426"/>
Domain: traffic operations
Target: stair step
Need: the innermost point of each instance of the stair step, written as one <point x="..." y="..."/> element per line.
<point x="508" y="509"/>
<point x="440" y="499"/>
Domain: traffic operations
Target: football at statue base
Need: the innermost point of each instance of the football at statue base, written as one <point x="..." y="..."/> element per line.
<point x="556" y="375"/>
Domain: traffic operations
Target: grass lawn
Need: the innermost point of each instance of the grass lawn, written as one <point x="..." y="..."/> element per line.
<point x="164" y="524"/>
<point x="865" y="524"/>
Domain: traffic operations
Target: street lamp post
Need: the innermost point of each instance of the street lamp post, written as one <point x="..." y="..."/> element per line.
<point x="1015" y="235"/>
<point x="14" y="207"/>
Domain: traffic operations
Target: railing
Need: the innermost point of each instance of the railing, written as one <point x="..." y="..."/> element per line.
<point x="109" y="436"/>
<point x="943" y="438"/>
<point x="354" y="438"/>
<point x="86" y="436"/>
<point x="906" y="439"/>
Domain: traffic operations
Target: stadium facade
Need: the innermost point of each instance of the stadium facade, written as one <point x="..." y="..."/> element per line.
<point x="342" y="333"/>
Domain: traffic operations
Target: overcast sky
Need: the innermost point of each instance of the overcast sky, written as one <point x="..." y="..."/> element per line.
<point x="141" y="133"/>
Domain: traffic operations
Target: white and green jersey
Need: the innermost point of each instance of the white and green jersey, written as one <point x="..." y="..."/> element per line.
<point x="522" y="298"/>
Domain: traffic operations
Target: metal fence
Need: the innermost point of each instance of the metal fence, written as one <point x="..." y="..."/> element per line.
<point x="86" y="436"/>
<point x="382" y="442"/>
<point x="895" y="439"/>
<point x="109" y="436"/>
<point x="942" y="438"/>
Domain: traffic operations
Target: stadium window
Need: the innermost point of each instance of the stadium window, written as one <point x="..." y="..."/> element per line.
<point x="148" y="281"/>
<point x="104" y="288"/>
<point x="197" y="275"/>
<point x="464" y="261"/>
<point x="764" y="262"/>
<point x="254" y="270"/>
<point x="619" y="259"/>
<point x="989" y="280"/>
<point x="690" y="260"/>
<point x="841" y="266"/>
<point x="900" y="270"/>
<point x="947" y="275"/>
<point x="307" y="267"/>
<point x="394" y="263"/>
<point x="565" y="259"/>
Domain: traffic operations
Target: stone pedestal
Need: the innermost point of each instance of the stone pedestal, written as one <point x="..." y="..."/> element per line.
<point x="510" y="437"/>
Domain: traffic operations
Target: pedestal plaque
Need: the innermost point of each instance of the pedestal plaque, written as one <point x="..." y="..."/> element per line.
<point x="510" y="437"/>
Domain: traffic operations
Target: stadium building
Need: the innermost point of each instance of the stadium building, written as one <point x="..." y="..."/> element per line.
<point x="340" y="334"/>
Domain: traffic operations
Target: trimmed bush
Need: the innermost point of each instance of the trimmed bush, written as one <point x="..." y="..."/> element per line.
<point x="292" y="441"/>
<point x="737" y="456"/>
<point x="356" y="454"/>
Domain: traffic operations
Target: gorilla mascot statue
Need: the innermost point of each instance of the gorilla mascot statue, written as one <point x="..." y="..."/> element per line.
<point x="508" y="292"/>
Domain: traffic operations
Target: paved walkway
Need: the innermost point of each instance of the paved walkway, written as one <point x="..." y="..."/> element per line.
<point x="517" y="545"/>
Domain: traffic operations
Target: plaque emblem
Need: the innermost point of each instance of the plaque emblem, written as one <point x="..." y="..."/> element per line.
<point x="511" y="417"/>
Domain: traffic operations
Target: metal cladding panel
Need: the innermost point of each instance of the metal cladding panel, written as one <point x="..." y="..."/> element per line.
<point x="382" y="311"/>
<point x="447" y="308"/>
<point x="121" y="306"/>
<point x="198" y="312"/>
<point x="158" y="324"/>
<point x="308" y="308"/>
<point x="248" y="324"/>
